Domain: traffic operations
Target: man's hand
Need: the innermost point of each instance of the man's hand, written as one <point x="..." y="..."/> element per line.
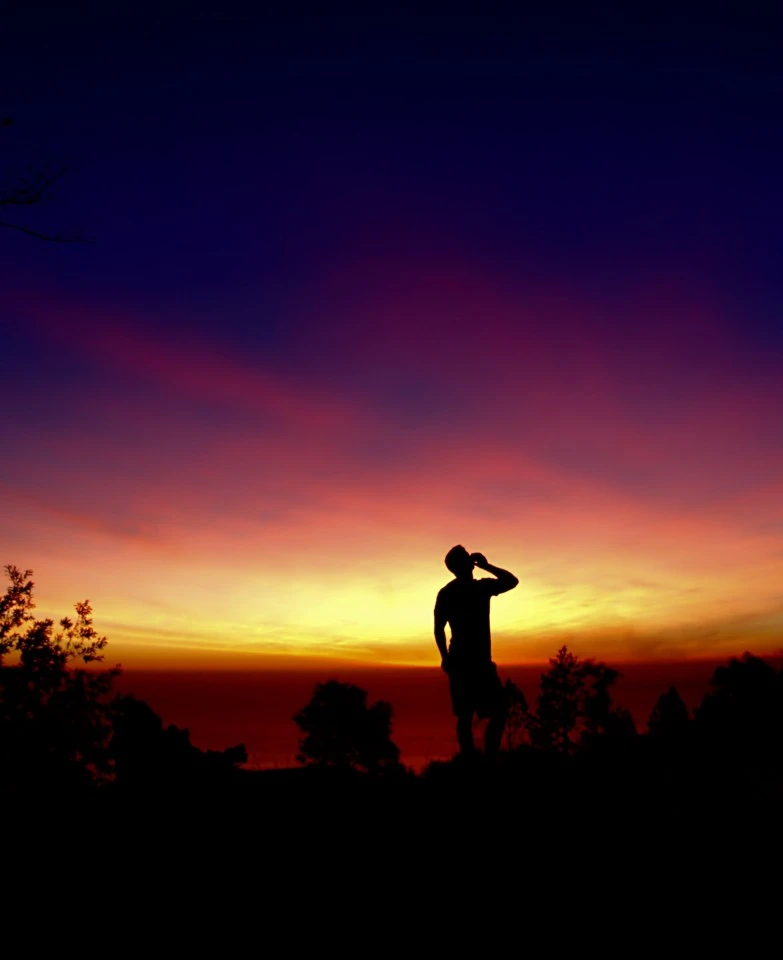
<point x="445" y="665"/>
<point x="505" y="580"/>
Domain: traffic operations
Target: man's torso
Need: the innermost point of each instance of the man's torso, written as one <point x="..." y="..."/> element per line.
<point x="464" y="604"/>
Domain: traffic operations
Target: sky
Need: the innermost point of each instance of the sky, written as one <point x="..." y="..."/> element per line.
<point x="367" y="286"/>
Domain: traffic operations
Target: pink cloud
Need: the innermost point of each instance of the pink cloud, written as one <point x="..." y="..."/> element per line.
<point x="190" y="367"/>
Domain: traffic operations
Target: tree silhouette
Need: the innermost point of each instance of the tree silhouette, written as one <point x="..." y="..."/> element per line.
<point x="557" y="708"/>
<point x="574" y="706"/>
<point x="517" y="718"/>
<point x="54" y="716"/>
<point x="740" y="720"/>
<point x="341" y="730"/>
<point x="669" y="719"/>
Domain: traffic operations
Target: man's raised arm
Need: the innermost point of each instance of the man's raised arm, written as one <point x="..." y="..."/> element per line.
<point x="506" y="581"/>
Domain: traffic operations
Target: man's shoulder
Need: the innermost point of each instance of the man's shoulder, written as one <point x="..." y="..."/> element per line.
<point x="447" y="589"/>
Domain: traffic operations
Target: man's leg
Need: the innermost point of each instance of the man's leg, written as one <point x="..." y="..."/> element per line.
<point x="494" y="732"/>
<point x="461" y="703"/>
<point x="496" y="705"/>
<point x="465" y="733"/>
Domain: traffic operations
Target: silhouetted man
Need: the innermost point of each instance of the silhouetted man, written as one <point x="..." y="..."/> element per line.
<point x="473" y="677"/>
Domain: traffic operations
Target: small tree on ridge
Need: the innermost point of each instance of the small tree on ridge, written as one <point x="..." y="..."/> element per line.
<point x="341" y="730"/>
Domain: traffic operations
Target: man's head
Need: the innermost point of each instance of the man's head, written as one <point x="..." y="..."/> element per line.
<point x="458" y="560"/>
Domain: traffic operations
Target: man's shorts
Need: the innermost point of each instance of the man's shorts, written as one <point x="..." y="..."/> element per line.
<point x="476" y="688"/>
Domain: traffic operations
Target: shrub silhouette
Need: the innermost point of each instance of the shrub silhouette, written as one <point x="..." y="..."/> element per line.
<point x="341" y="730"/>
<point x="146" y="754"/>
<point x="54" y="716"/>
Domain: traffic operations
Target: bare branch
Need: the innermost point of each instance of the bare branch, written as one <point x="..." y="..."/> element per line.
<point x="29" y="191"/>
<point x="53" y="238"/>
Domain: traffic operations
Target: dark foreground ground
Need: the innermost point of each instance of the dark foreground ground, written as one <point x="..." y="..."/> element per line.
<point x="516" y="804"/>
<point x="532" y="853"/>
